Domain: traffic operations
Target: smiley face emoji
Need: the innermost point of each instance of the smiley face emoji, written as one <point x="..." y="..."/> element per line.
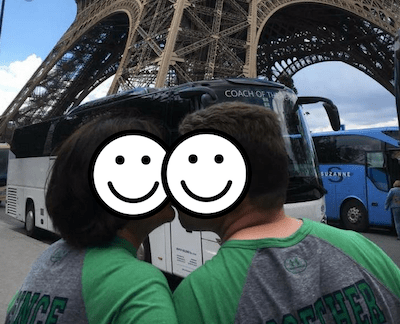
<point x="125" y="174"/>
<point x="206" y="173"/>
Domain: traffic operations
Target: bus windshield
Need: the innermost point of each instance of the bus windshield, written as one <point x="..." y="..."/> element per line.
<point x="170" y="105"/>
<point x="305" y="182"/>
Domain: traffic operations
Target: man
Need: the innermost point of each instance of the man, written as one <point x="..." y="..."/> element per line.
<point x="393" y="201"/>
<point x="272" y="268"/>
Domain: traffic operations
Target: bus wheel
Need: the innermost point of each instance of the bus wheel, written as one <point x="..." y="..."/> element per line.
<point x="354" y="216"/>
<point x="30" y="220"/>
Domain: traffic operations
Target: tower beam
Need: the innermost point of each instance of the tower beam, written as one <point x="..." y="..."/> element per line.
<point x="168" y="42"/>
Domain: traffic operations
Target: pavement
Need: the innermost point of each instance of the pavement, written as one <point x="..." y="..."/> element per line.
<point x="17" y="253"/>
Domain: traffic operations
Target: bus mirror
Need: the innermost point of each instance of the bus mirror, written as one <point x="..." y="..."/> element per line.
<point x="207" y="100"/>
<point x="333" y="115"/>
<point x="330" y="108"/>
<point x="207" y="95"/>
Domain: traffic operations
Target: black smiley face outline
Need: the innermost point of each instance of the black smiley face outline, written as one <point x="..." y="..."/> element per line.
<point x="156" y="185"/>
<point x="121" y="160"/>
<point x="191" y="194"/>
<point x="133" y="200"/>
<point x="218" y="159"/>
<point x="215" y="197"/>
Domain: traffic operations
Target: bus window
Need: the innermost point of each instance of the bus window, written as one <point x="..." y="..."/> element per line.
<point x="351" y="149"/>
<point x="376" y="170"/>
<point x="31" y="140"/>
<point x="326" y="149"/>
<point x="4" y="152"/>
<point x="393" y="161"/>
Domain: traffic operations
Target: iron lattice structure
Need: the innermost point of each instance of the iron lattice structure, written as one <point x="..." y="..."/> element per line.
<point x="168" y="42"/>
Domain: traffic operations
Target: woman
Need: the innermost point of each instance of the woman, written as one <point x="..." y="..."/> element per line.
<point x="92" y="275"/>
<point x="393" y="201"/>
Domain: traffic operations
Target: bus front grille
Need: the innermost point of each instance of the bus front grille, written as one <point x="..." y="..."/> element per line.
<point x="11" y="201"/>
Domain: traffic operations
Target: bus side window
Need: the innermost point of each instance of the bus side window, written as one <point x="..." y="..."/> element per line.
<point x="326" y="149"/>
<point x="376" y="170"/>
<point x="64" y="128"/>
<point x="49" y="139"/>
<point x="352" y="148"/>
<point x="29" y="141"/>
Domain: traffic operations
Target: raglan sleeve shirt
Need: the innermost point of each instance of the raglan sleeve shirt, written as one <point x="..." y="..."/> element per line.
<point x="98" y="285"/>
<point x="320" y="274"/>
<point x="136" y="292"/>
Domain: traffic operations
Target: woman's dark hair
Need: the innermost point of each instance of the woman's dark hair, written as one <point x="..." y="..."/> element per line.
<point x="70" y="202"/>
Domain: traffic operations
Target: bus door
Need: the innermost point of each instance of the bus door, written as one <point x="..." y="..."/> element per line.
<point x="393" y="162"/>
<point x="377" y="178"/>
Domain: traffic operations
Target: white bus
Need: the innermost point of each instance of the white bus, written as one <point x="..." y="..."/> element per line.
<point x="170" y="247"/>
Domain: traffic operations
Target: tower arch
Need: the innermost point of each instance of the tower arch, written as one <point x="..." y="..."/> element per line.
<point x="304" y="33"/>
<point x="88" y="53"/>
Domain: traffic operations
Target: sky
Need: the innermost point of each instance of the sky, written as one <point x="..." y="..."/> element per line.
<point x="32" y="28"/>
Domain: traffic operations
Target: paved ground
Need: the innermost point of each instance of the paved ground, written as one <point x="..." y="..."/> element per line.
<point x="17" y="252"/>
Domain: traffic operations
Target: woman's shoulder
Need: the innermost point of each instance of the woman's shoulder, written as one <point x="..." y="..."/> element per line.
<point x="112" y="276"/>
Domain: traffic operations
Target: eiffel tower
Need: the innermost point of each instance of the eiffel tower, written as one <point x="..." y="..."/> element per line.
<point x="167" y="42"/>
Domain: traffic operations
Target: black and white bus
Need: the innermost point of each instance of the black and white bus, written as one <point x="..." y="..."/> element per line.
<point x="173" y="250"/>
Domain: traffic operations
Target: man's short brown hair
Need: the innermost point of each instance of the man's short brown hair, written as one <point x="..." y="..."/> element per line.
<point x="258" y="130"/>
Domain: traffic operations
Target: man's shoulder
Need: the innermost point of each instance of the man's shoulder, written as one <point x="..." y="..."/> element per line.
<point x="346" y="240"/>
<point x="362" y="251"/>
<point x="394" y="191"/>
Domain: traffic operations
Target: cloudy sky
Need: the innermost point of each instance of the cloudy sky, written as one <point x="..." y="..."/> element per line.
<point x="32" y="28"/>
<point x="362" y="102"/>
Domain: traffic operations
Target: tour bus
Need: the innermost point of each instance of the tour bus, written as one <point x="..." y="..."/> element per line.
<point x="170" y="247"/>
<point x="4" y="150"/>
<point x="358" y="168"/>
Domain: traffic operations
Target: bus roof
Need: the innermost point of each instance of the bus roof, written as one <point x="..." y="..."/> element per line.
<point x="388" y="135"/>
<point x="136" y="93"/>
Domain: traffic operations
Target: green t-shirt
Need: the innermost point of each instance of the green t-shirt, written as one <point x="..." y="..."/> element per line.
<point x="320" y="274"/>
<point x="98" y="285"/>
